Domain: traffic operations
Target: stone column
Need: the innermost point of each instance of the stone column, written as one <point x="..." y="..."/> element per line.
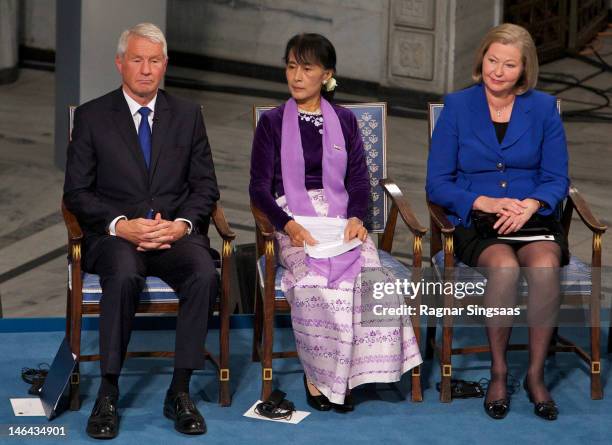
<point x="86" y="42"/>
<point x="432" y="42"/>
<point x="8" y="41"/>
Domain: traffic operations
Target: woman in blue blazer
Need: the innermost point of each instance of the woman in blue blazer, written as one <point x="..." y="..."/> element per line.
<point x="499" y="148"/>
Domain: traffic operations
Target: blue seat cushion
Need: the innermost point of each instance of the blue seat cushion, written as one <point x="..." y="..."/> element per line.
<point x="155" y="290"/>
<point x="575" y="277"/>
<point x="387" y="261"/>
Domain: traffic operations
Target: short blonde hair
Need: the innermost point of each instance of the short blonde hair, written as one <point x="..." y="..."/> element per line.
<point x="510" y="34"/>
<point x="146" y="30"/>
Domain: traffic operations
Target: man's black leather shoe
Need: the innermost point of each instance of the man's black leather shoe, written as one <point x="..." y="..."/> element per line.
<point x="180" y="408"/>
<point x="103" y="423"/>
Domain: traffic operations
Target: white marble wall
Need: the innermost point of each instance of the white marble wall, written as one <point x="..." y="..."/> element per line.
<point x="8" y="35"/>
<point x="37" y="24"/>
<point x="473" y="18"/>
<point x="256" y="31"/>
<point x="423" y="45"/>
<point x="432" y="42"/>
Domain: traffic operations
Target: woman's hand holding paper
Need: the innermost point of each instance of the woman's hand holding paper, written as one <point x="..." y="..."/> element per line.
<point x="355" y="229"/>
<point x="298" y="234"/>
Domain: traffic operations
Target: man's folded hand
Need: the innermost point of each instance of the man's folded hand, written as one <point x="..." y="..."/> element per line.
<point x="151" y="234"/>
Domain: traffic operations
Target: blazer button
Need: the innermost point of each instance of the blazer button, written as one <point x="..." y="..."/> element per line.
<point x="503" y="184"/>
<point x="500" y="166"/>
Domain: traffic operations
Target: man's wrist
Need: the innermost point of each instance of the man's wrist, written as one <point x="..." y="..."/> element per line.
<point x="187" y="229"/>
<point x="112" y="227"/>
<point x="187" y="224"/>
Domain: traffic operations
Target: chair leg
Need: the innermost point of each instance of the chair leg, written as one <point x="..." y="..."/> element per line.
<point x="257" y="324"/>
<point x="595" y="315"/>
<point x="595" y="306"/>
<point x="225" y="398"/>
<point x="74" y="389"/>
<point x="266" y="362"/>
<point x="75" y="379"/>
<point x="76" y="314"/>
<point x="445" y="364"/>
<point x="610" y="338"/>
<point x="417" y="391"/>
<point x="268" y="330"/>
<point x="74" y="395"/>
<point x="596" y="389"/>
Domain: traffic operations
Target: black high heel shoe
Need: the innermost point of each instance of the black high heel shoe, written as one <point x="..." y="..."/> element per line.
<point x="320" y="402"/>
<point x="547" y="409"/>
<point x="497" y="409"/>
<point x="347" y="406"/>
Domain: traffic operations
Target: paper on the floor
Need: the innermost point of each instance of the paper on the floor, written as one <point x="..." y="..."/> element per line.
<point x="329" y="232"/>
<point x="296" y="417"/>
<point x="30" y="406"/>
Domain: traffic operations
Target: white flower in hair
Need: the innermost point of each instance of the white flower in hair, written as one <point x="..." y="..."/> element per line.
<point x="330" y="84"/>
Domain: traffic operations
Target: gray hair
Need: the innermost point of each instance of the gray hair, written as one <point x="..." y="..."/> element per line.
<point x="146" y="30"/>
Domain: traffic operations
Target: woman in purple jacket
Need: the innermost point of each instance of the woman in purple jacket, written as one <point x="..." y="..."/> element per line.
<point x="308" y="160"/>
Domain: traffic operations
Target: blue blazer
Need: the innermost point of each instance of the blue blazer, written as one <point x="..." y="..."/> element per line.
<point x="466" y="160"/>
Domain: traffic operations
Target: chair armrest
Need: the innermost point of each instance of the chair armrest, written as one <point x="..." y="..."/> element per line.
<point x="75" y="234"/>
<point x="405" y="211"/>
<point x="584" y="211"/>
<point x="439" y="218"/>
<point x="220" y="222"/>
<point x="263" y="223"/>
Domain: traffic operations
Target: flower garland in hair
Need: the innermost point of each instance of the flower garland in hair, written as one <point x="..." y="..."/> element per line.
<point x="330" y="84"/>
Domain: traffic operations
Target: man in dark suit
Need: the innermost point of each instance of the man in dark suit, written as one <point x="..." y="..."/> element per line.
<point x="141" y="181"/>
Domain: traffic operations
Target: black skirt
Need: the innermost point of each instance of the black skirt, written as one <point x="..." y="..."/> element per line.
<point x="468" y="244"/>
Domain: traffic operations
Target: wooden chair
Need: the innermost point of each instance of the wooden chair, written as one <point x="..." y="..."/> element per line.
<point x="84" y="294"/>
<point x="578" y="280"/>
<point x="270" y="299"/>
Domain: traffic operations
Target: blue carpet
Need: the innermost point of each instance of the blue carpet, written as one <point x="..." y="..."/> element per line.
<point x="383" y="413"/>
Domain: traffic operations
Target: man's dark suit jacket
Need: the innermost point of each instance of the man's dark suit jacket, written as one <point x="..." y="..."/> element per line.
<point x="106" y="173"/>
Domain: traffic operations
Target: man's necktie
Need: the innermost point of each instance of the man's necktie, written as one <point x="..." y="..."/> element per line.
<point x="144" y="134"/>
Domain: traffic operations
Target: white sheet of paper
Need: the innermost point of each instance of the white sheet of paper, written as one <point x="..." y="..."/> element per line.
<point x="329" y="232"/>
<point x="529" y="238"/>
<point x="296" y="417"/>
<point x="30" y="406"/>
